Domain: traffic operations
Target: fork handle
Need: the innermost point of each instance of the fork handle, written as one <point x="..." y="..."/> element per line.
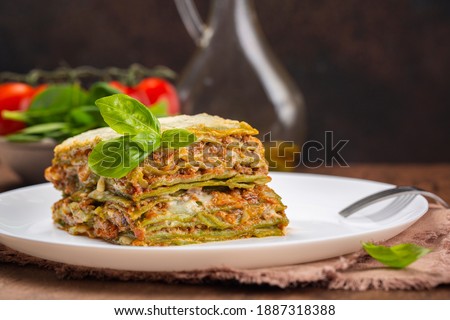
<point x="387" y="194"/>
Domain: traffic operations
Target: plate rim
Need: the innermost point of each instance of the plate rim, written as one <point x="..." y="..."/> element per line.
<point x="223" y="246"/>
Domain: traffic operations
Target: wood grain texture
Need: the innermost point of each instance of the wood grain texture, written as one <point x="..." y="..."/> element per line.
<point x="26" y="282"/>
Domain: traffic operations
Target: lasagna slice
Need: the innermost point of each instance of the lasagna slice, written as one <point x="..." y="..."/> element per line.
<point x="214" y="189"/>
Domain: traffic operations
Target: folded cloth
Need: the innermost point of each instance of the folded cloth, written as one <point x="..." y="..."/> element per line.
<point x="356" y="271"/>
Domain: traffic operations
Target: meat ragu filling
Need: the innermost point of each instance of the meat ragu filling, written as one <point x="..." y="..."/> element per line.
<point x="232" y="160"/>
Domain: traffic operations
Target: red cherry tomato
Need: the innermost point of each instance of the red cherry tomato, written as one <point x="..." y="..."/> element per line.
<point x="117" y="85"/>
<point x="11" y="96"/>
<point x="156" y="89"/>
<point x="151" y="90"/>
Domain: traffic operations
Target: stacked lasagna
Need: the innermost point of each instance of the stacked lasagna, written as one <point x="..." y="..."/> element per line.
<point x="214" y="189"/>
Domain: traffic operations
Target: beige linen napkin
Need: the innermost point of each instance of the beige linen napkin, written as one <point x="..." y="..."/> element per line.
<point x="352" y="272"/>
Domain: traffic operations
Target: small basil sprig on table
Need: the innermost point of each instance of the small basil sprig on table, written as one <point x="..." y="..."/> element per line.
<point x="141" y="136"/>
<point x="398" y="256"/>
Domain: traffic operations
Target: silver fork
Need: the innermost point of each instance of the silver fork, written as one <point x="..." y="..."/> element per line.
<point x="404" y="196"/>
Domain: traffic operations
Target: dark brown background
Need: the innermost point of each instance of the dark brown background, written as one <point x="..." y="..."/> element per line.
<point x="374" y="72"/>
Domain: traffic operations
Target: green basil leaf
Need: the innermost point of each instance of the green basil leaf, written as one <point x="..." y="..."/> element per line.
<point x="15" y="115"/>
<point x="99" y="90"/>
<point x="22" y="137"/>
<point x="45" y="128"/>
<point x="126" y="115"/>
<point x="398" y="256"/>
<point x="58" y="135"/>
<point x="59" y="96"/>
<point x="160" y="108"/>
<point x="52" y="104"/>
<point x="177" y="138"/>
<point x="115" y="158"/>
<point x="77" y="130"/>
<point x="38" y="116"/>
<point x="147" y="141"/>
<point x="88" y="115"/>
<point x="54" y="130"/>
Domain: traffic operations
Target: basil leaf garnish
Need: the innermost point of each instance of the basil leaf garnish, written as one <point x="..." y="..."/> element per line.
<point x="398" y="256"/>
<point x="117" y="157"/>
<point x="147" y="141"/>
<point x="177" y="138"/>
<point x="126" y="115"/>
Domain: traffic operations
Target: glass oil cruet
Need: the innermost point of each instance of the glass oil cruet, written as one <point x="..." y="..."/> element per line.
<point x="235" y="75"/>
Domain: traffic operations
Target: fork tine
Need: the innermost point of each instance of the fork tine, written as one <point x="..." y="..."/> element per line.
<point x="367" y="201"/>
<point x="386" y="194"/>
<point x="395" y="206"/>
<point x="383" y="195"/>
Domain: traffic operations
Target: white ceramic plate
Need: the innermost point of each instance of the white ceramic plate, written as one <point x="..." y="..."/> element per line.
<point x="315" y="232"/>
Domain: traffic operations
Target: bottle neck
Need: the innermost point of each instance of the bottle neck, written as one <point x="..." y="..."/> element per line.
<point x="224" y="13"/>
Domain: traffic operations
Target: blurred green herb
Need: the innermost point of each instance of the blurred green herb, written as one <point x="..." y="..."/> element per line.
<point x="61" y="111"/>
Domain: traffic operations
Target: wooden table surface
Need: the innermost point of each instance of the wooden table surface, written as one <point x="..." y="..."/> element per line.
<point x="27" y="282"/>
